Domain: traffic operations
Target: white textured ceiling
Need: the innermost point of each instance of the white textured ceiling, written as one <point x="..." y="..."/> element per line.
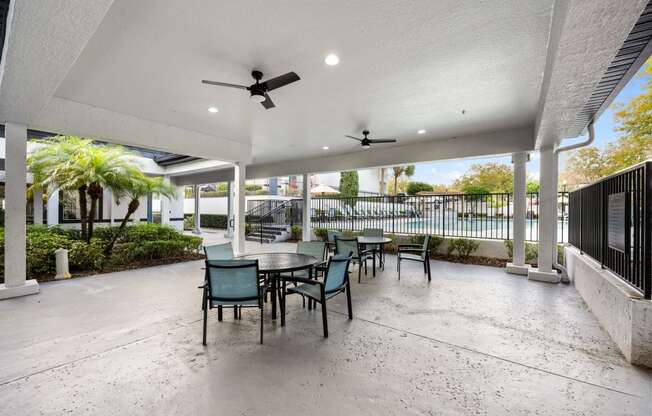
<point x="405" y="65"/>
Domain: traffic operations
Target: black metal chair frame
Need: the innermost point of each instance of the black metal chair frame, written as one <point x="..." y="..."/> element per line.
<point x="324" y="296"/>
<point x="206" y="287"/>
<point x="363" y="256"/>
<point x="414" y="249"/>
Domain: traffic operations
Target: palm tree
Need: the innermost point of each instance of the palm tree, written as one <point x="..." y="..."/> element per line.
<point x="136" y="188"/>
<point x="69" y="162"/>
<point x="401" y="170"/>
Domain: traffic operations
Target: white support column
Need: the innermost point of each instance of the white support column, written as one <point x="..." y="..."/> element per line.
<point x="547" y="218"/>
<point x="230" y="221"/>
<point x="53" y="207"/>
<point x="165" y="205"/>
<point x="306" y="227"/>
<point x="518" y="266"/>
<point x="37" y="196"/>
<point x="196" y="189"/>
<point x="15" y="214"/>
<point x="239" y="207"/>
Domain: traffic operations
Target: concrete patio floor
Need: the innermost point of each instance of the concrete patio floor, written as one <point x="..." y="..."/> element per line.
<point x="475" y="341"/>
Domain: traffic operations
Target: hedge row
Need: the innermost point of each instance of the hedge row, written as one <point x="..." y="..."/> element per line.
<point x="136" y="243"/>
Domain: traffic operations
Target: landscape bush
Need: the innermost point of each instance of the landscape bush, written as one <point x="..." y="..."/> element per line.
<point x="136" y="243"/>
<point x="296" y="231"/>
<point x="321" y="233"/>
<point x="463" y="247"/>
<point x="531" y="251"/>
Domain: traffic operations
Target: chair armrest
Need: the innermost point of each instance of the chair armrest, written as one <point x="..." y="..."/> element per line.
<point x="304" y="280"/>
<point x="410" y="246"/>
<point x="412" y="250"/>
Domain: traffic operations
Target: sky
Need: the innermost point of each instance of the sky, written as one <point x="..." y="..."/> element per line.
<point x="445" y="172"/>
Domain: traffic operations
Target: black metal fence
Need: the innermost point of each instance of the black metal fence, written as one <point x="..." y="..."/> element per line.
<point x="488" y="216"/>
<point x="618" y="236"/>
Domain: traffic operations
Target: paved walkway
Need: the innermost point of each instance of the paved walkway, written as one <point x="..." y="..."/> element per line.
<point x="475" y="341"/>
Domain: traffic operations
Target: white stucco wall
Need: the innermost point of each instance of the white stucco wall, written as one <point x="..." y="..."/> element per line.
<point x="621" y="311"/>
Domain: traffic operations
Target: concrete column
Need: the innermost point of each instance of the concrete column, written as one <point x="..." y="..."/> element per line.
<point x="53" y="207"/>
<point x="197" y="193"/>
<point x="518" y="266"/>
<point x="165" y="205"/>
<point x="306" y="208"/>
<point x="239" y="207"/>
<point x="547" y="218"/>
<point x="150" y="208"/>
<point x="230" y="220"/>
<point x="15" y="214"/>
<point x="37" y="196"/>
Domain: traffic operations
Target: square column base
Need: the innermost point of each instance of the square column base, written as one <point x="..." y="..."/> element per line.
<point x="29" y="288"/>
<point x="539" y="276"/>
<point x="522" y="270"/>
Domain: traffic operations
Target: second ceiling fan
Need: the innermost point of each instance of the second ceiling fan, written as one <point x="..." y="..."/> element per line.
<point x="366" y="142"/>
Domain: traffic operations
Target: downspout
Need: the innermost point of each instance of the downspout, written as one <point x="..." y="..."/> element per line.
<point x="587" y="142"/>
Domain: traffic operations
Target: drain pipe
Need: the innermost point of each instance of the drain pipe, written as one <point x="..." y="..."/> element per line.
<point x="555" y="258"/>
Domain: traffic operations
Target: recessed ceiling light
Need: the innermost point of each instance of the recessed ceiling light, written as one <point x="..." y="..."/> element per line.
<point x="332" y="59"/>
<point x="325" y="148"/>
<point x="422" y="131"/>
<point x="213" y="109"/>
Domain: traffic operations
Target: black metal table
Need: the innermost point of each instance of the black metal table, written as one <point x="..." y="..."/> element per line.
<point x="273" y="264"/>
<point x="376" y="242"/>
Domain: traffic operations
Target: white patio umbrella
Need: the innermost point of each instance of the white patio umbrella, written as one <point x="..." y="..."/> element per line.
<point x="324" y="189"/>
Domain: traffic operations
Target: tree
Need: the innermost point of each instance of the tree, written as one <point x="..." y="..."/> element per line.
<point x="492" y="177"/>
<point x="532" y="187"/>
<point x="414" y="188"/>
<point x="399" y="171"/>
<point x="135" y="188"/>
<point x="73" y="163"/>
<point x="349" y="185"/>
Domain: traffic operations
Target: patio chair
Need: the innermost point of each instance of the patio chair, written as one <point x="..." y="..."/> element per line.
<point x="311" y="248"/>
<point x="219" y="252"/>
<point x="358" y="254"/>
<point x="232" y="283"/>
<point x="374" y="232"/>
<point x="336" y="281"/>
<point x="414" y="252"/>
<point x="330" y="236"/>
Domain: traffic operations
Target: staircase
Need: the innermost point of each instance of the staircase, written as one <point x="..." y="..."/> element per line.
<point x="271" y="220"/>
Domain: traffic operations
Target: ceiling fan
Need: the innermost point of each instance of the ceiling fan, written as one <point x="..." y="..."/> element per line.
<point x="367" y="142"/>
<point x="258" y="91"/>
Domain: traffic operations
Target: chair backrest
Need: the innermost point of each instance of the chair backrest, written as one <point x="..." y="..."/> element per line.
<point x="312" y="248"/>
<point x="345" y="245"/>
<point x="331" y="235"/>
<point x="232" y="280"/>
<point x="219" y="252"/>
<point x="426" y="246"/>
<point x="372" y="232"/>
<point x="337" y="272"/>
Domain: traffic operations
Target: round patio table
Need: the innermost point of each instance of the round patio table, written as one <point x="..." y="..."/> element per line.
<point x="273" y="264"/>
<point x="376" y="242"/>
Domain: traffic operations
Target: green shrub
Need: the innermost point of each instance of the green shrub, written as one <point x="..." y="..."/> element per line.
<point x="531" y="251"/>
<point x="247" y="229"/>
<point x="106" y="234"/>
<point x="214" y="221"/>
<point x="41" y="245"/>
<point x="189" y="222"/>
<point x="321" y="233"/>
<point x="463" y="247"/>
<point x="296" y="231"/>
<point x="86" y="257"/>
<point x="435" y="242"/>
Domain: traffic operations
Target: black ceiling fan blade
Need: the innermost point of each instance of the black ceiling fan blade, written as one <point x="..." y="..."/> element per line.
<point x="382" y="141"/>
<point x="354" y="138"/>
<point x="280" y="81"/>
<point x="224" y="84"/>
<point x="268" y="103"/>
